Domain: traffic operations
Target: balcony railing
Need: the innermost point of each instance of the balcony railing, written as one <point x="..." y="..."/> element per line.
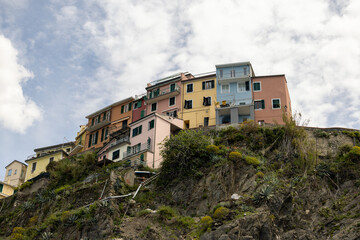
<point x="121" y="140"/>
<point x="99" y="125"/>
<point x="160" y="94"/>
<point x="232" y="75"/>
<point x="137" y="149"/>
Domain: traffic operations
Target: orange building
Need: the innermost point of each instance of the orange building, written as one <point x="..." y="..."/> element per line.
<point x="271" y="98"/>
<point x="106" y="121"/>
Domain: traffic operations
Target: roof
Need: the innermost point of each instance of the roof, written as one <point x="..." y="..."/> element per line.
<point x="162" y="116"/>
<point x="232" y="64"/>
<point x="45" y="155"/>
<point x="201" y="76"/>
<point x="267" y="76"/>
<point x="170" y="78"/>
<point x="16" y="161"/>
<point x="4" y="183"/>
<point x="55" y="146"/>
<point x="110" y="106"/>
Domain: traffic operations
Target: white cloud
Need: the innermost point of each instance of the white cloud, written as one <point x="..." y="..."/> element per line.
<point x="315" y="43"/>
<point x="17" y="112"/>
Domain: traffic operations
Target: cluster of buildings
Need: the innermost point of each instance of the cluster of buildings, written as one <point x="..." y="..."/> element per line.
<point x="133" y="128"/>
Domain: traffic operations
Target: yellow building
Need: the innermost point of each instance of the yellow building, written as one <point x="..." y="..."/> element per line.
<point x="199" y="98"/>
<point x="6" y="190"/>
<point x="79" y="141"/>
<point x="15" y="173"/>
<point x="44" y="156"/>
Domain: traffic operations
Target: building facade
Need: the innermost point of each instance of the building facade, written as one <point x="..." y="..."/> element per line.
<point x="271" y="99"/>
<point x="164" y="95"/>
<point x="114" y="150"/>
<point x="15" y="173"/>
<point x="139" y="109"/>
<point x="106" y="121"/>
<point x="38" y="163"/>
<point x="234" y="93"/>
<point x="6" y="190"/>
<point x="199" y="100"/>
<point x="146" y="135"/>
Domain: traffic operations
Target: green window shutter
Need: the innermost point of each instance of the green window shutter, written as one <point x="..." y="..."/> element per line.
<point x="90" y="138"/>
<point x="203" y="85"/>
<point x="172" y="87"/>
<point x="96" y="137"/>
<point x="140" y="129"/>
<point x="129" y="106"/>
<point x="102" y="134"/>
<point x="1" y="187"/>
<point x="122" y="109"/>
<point x="142" y="113"/>
<point x="212" y="83"/>
<point x="263" y="104"/>
<point x="247" y="86"/>
<point x="134" y="132"/>
<point x="92" y="121"/>
<point x="106" y="133"/>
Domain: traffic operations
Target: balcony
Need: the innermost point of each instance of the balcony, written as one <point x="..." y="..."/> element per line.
<point x="98" y="125"/>
<point x="123" y="139"/>
<point x="231" y="76"/>
<point x="117" y="132"/>
<point x="160" y="94"/>
<point x="137" y="149"/>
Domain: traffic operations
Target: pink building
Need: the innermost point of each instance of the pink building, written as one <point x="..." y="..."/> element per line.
<point x="146" y="135"/>
<point x="271" y="98"/>
<point x="164" y="95"/>
<point x="139" y="109"/>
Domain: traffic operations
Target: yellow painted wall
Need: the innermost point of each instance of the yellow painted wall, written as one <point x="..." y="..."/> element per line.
<point x="41" y="163"/>
<point x="196" y="115"/>
<point x="7" y="190"/>
<point x="18" y="171"/>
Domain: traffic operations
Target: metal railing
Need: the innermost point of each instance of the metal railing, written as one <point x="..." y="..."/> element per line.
<point x="229" y="75"/>
<point x="161" y="92"/>
<point x="136" y="149"/>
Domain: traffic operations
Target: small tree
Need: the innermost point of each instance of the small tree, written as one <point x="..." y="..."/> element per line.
<point x="184" y="155"/>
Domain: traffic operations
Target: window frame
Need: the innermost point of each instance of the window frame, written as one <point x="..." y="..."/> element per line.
<point x="118" y="154"/>
<point x="170" y="101"/>
<point x="206" y="83"/>
<point x="137" y="131"/>
<point x="221" y="73"/>
<point x="259" y="87"/>
<point x="209" y="101"/>
<point x="151" y="124"/>
<point x="262" y="102"/>
<point x="187" y="87"/>
<point x="232" y="73"/>
<point x="221" y="88"/>
<point x="9" y="172"/>
<point x="272" y="103"/>
<point x="238" y="89"/>
<point x="190" y="100"/>
<point x="33" y="167"/>
<point x="151" y="107"/>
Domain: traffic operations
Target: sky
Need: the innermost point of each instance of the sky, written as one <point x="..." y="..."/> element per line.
<point x="62" y="60"/>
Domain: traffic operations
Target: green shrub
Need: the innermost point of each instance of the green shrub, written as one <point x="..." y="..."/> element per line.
<point x="185" y="155"/>
<point x="143" y="212"/>
<point x="221" y="212"/>
<point x="25" y="185"/>
<point x="166" y="213"/>
<point x="321" y="134"/>
<point x="212" y="149"/>
<point x="206" y="222"/>
<point x="260" y="174"/>
<point x="354" y="154"/>
<point x="252" y="161"/>
<point x="17" y="233"/>
<point x="235" y="156"/>
<point x="62" y="188"/>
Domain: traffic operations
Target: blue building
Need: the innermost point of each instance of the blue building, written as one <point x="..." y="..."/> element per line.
<point x="234" y="93"/>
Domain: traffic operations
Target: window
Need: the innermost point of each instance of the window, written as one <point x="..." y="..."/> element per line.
<point x="225" y="88"/>
<point x="241" y="87"/>
<point x="172" y="101"/>
<point x="172" y="87"/>
<point x="189" y="88"/>
<point x="137" y="104"/>
<point x="142" y="113"/>
<point x="208" y="84"/>
<point x="232" y="73"/>
<point x="115" y="154"/>
<point x="153" y="107"/>
<point x="126" y="108"/>
<point x="9" y="172"/>
<point x="260" y="104"/>
<point x="151" y="124"/>
<point x="68" y="149"/>
<point x="124" y="123"/>
<point x="92" y="121"/>
<point x="136" y="148"/>
<point x="276" y="103"/>
<point x="51" y="159"/>
<point x="15" y="172"/>
<point x="106" y="133"/>
<point x="1" y="187"/>
<point x="137" y="131"/>
<point x="108" y="115"/>
<point x="257" y="86"/>
<point x="207" y="101"/>
<point x="172" y="114"/>
<point x="245" y="71"/>
<point x="206" y="121"/>
<point x="95" y="138"/>
<point x="33" y="168"/>
<point x="148" y="143"/>
<point x="188" y="104"/>
<point x="220" y="73"/>
<point x="104" y="116"/>
<point x="90" y="139"/>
